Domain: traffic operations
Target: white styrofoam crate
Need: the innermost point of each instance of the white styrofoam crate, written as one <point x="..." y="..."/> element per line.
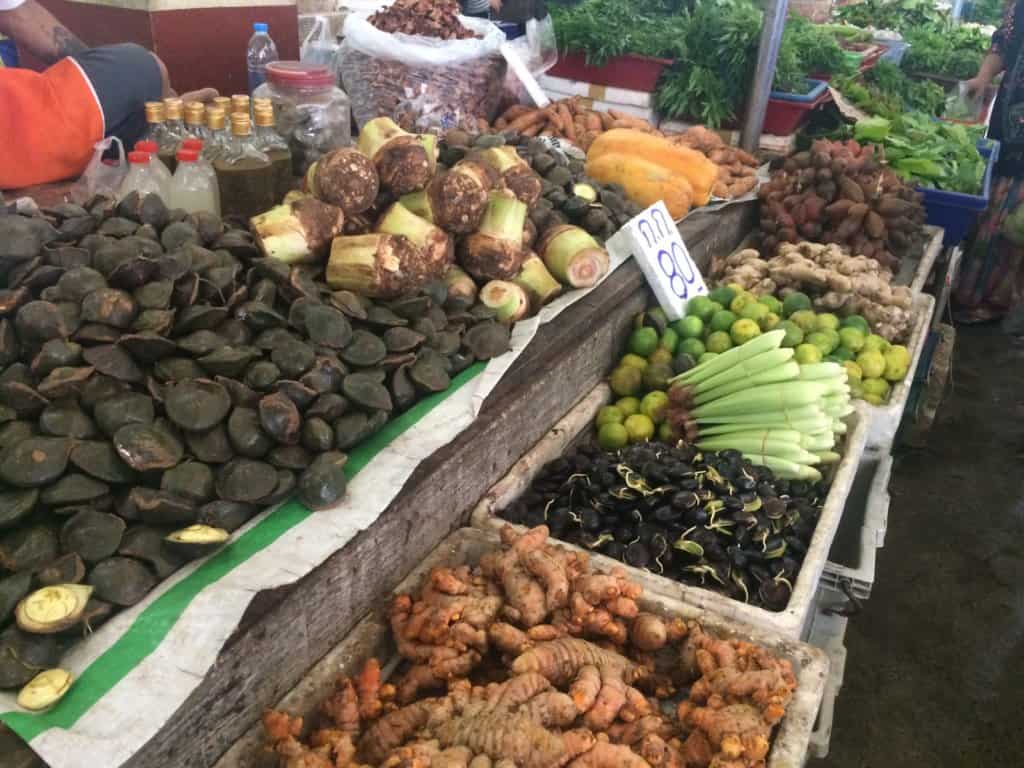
<point x="790" y="622"/>
<point x="828" y="633"/>
<point x="875" y="515"/>
<point x="600" y="93"/>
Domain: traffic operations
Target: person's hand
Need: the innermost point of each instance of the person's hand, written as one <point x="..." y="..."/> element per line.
<point x="976" y="87"/>
<point x="203" y="94"/>
<point x="495" y="5"/>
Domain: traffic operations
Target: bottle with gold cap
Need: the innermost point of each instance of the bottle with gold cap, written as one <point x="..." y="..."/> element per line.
<point x="224" y="102"/>
<point x="245" y="175"/>
<point x="240" y="104"/>
<point x="218" y="136"/>
<point x="275" y="147"/>
<point x="195" y="121"/>
<point x="174" y="131"/>
<point x="155" y="129"/>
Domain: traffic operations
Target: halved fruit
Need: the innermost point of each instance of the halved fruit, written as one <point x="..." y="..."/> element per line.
<point x="44" y="690"/>
<point x="196" y="541"/>
<point x="52" y="609"/>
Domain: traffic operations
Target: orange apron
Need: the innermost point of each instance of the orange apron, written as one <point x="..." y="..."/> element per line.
<point x="49" y="123"/>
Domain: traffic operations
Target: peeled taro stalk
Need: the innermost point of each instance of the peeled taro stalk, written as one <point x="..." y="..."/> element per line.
<point x="300" y="231"/>
<point x="455" y="201"/>
<point x="538" y="283"/>
<point x="438" y="252"/>
<point x="495" y="250"/>
<point x="573" y="256"/>
<point x="462" y="289"/>
<point x="346" y="178"/>
<point x="405" y="162"/>
<point x="515" y="172"/>
<point x="377" y="265"/>
<point x="508" y="300"/>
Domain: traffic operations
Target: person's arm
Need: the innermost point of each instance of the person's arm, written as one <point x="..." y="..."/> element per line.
<point x="38" y="32"/>
<point x="991" y="66"/>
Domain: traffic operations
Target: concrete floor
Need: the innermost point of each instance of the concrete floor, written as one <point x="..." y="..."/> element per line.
<point x="935" y="665"/>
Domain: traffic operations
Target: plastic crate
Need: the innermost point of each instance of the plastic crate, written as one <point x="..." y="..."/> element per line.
<point x="828" y="633"/>
<point x="787" y="111"/>
<point x="986" y="109"/>
<point x="956" y="211"/>
<point x="629" y="71"/>
<point x="896" y="51"/>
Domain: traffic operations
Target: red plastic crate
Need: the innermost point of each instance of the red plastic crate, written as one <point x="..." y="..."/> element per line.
<point x="784" y="117"/>
<point x="632" y="72"/>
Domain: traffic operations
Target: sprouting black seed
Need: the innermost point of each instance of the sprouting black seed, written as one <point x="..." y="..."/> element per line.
<point x="637" y="555"/>
<point x="614" y="549"/>
<point x="590" y="520"/>
<point x="667" y="514"/>
<point x="624" y="534"/>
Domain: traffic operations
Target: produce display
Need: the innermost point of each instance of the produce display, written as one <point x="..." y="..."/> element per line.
<point x="950" y="50"/>
<point x="839" y="192"/>
<point x="568" y="119"/>
<point x="532" y="659"/>
<point x="931" y="153"/>
<point x="737" y="170"/>
<point x="697" y="516"/>
<point x="885" y="91"/>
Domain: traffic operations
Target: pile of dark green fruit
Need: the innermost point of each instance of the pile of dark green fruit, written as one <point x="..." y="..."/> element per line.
<point x="712" y="520"/>
<point x="157" y="373"/>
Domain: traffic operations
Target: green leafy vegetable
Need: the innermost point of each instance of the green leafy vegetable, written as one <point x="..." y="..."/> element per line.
<point x="899" y="15"/>
<point x="886" y="91"/>
<point x="948" y="50"/>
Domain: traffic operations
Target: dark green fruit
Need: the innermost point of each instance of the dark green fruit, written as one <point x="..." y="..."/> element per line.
<point x="280" y="419"/>
<point x="191" y="479"/>
<point x="323" y="484"/>
<point x="145" y="447"/>
<point x="35" y="461"/>
<point x="92" y="535"/>
<point x="15" y="506"/>
<point x="144" y="543"/>
<point x="245" y="480"/>
<point x="121" y="580"/>
<point x="74" y="488"/>
<point x="197" y="405"/>
<point x="23" y="656"/>
<point x="162" y="507"/>
<point x="12" y="589"/>
<point x="66" y="569"/>
<point x="229" y="515"/>
<point x="28" y="549"/>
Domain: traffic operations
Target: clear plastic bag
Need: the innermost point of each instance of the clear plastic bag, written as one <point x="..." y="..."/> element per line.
<point x="422" y="83"/>
<point x="962" y="105"/>
<point x="101" y="177"/>
<point x="319" y="47"/>
<point x="538" y="51"/>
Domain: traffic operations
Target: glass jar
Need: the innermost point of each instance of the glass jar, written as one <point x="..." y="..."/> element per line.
<point x="311" y="112"/>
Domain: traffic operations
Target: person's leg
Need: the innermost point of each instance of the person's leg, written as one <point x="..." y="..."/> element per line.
<point x="124" y="77"/>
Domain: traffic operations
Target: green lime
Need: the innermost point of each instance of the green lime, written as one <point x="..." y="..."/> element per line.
<point x="689" y="327"/>
<point x="794" y="334"/>
<point x="643" y="341"/>
<point x="611" y="437"/>
<point x="699" y="306"/>
<point x="628" y="406"/>
<point x="807" y="353"/>
<point x="634" y="360"/>
<point x="609" y="414"/>
<point x="660" y="356"/>
<point x="773" y="304"/>
<point x="719" y="341"/>
<point x="669" y="340"/>
<point x="822" y="341"/>
<point x="755" y="310"/>
<point x="875" y="343"/>
<point x="655" y="406"/>
<point x="707" y="356"/>
<point x="879" y="387"/>
<point x="744" y="330"/>
<point x="722" y="320"/>
<point x="806" y="319"/>
<point x="853" y="370"/>
<point x="693" y="347"/>
<point x="842" y="354"/>
<point x="857" y="321"/>
<point x="795" y="302"/>
<point x="851" y="338"/>
<point x="826" y="321"/>
<point x="741" y="300"/>
<point x="666" y="433"/>
<point x="683" y="361"/>
<point x="897" y="362"/>
<point x="656" y="377"/>
<point x="723" y="294"/>
<point x="656" y="318"/>
<point x="626" y="380"/>
<point x="872" y="363"/>
<point x="639" y="427"/>
<point x="769" y="321"/>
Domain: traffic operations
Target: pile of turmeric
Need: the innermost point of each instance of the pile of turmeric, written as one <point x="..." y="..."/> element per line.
<point x="530" y="660"/>
<point x="737" y="170"/>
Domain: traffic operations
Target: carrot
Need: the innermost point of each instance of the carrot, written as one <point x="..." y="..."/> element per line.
<point x="567" y="126"/>
<point x="606" y="120"/>
<point x="532" y="130"/>
<point x="526" y="121"/>
<point x="592" y="121"/>
<point x="516" y="110"/>
<point x="555" y="119"/>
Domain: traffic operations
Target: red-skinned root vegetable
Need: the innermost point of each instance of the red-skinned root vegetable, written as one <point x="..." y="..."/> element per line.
<point x="405" y="162"/>
<point x="298" y="232"/>
<point x="538" y="283"/>
<point x="515" y="172"/>
<point x="377" y="265"/>
<point x="508" y="300"/>
<point x="346" y="178"/>
<point x="456" y="200"/>
<point x="436" y="246"/>
<point x="495" y="250"/>
<point x="462" y="289"/>
<point x="573" y="256"/>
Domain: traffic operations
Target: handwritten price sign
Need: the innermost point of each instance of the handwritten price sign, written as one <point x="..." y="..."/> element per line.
<point x="654" y="241"/>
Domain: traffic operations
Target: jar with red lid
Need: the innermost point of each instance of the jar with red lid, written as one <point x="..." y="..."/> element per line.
<point x="311" y="112"/>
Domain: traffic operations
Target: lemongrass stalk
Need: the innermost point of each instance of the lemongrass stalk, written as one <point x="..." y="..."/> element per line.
<point x="782" y="415"/>
<point x="803" y="426"/>
<point x="538" y="283"/>
<point x="821" y="441"/>
<point x="788" y="470"/>
<point x="827" y="457"/>
<point x="784" y="372"/>
<point x="747" y="368"/>
<point x="508" y="300"/>
<point x="792" y="436"/>
<point x="839" y="427"/>
<point x="763" y="343"/>
<point x="752" y="448"/>
<point x="788" y="394"/>
<point x="815" y="371"/>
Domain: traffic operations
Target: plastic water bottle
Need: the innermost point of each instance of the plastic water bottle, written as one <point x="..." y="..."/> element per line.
<point x="261" y="51"/>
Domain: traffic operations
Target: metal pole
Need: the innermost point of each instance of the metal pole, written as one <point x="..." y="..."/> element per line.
<point x="760" y="88"/>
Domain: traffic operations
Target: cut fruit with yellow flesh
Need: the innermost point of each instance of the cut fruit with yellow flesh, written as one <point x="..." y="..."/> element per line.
<point x="52" y="609"/>
<point x="44" y="690"/>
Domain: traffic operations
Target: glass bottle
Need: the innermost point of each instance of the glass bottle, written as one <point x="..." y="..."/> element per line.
<point x="240" y="105"/>
<point x="196" y="145"/>
<point x="244" y="173"/>
<point x="195" y="120"/>
<point x="218" y="136"/>
<point x="142" y="177"/>
<point x="191" y="187"/>
<point x="153" y="149"/>
<point x="174" y="127"/>
<point x="224" y="102"/>
<point x="276" y="148"/>
<point x="156" y="131"/>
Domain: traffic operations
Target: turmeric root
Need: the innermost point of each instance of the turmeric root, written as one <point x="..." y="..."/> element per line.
<point x="605" y="755"/>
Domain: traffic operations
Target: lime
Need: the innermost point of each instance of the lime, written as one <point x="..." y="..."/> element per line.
<point x="660" y="356"/>
<point x="851" y="338"/>
<point x="897" y="363"/>
<point x="769" y="321"/>
<point x="871" y="363"/>
<point x="827" y="322"/>
<point x="656" y="317"/>
<point x="609" y="414"/>
<point x="722" y="320"/>
<point x="715" y="307"/>
<point x="700" y="306"/>
<point x="822" y="341"/>
<point x="879" y="387"/>
<point x="666" y="433"/>
<point x="755" y="310"/>
<point x="795" y="302"/>
<point x="643" y="341"/>
<point x="611" y="437"/>
<point x="654" y="406"/>
<point x="741" y="300"/>
<point x="693" y="347"/>
<point x="719" y="341"/>
<point x="690" y="327"/>
<point x="875" y="343"/>
<point x="626" y="380"/>
<point x="633" y="360"/>
<point x="744" y="330"/>
<point x="723" y="294"/>
<point x="669" y="340"/>
<point x="628" y="406"/>
<point x="853" y="370"/>
<point x="856" y="388"/>
<point x="794" y="333"/>
<point x="639" y="428"/>
<point x="806" y="319"/>
<point x="858" y="322"/>
<point x="683" y="361"/>
<point x="656" y="377"/>
<point x="773" y="304"/>
<point x="841" y="354"/>
<point x="807" y="353"/>
<point x="707" y="356"/>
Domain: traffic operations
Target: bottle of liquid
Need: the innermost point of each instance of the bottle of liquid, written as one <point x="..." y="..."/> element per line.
<point x="244" y="173"/>
<point x="261" y="51"/>
<point x="218" y="137"/>
<point x="240" y="104"/>
<point x="174" y="131"/>
<point x="153" y="149"/>
<point x="223" y="102"/>
<point x="195" y="145"/>
<point x="195" y="120"/>
<point x="276" y="148"/>
<point x="155" y="128"/>
<point x="142" y="177"/>
<point x="191" y="187"/>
